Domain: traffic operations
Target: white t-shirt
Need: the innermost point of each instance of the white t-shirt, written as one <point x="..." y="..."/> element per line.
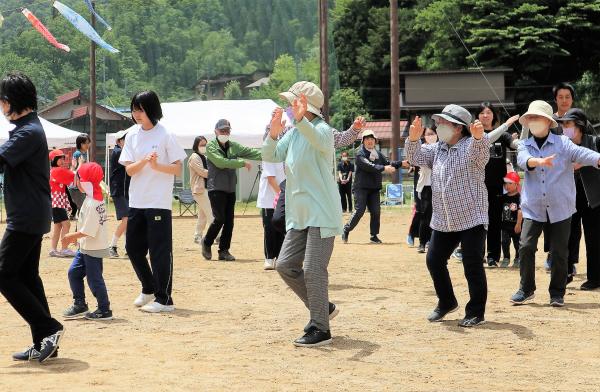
<point x="150" y="188"/>
<point x="266" y="194"/>
<point x="92" y="222"/>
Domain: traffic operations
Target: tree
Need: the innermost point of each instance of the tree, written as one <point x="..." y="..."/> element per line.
<point x="232" y="90"/>
<point x="346" y="105"/>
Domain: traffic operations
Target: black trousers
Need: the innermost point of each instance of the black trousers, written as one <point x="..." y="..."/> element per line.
<point x="508" y="235"/>
<point x="346" y="196"/>
<point x="21" y="285"/>
<point x="366" y="198"/>
<point x="273" y="238"/>
<point x="494" y="236"/>
<point x="426" y="211"/>
<point x="415" y="223"/>
<point x="558" y="248"/>
<point x="151" y="230"/>
<point x="223" y="208"/>
<point x="590" y="218"/>
<point x="441" y="246"/>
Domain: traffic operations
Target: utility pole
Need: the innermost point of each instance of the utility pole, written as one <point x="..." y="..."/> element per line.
<point x="323" y="8"/>
<point x="92" y="154"/>
<point x="395" y="85"/>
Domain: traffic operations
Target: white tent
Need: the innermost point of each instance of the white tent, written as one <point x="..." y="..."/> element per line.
<point x="187" y="120"/>
<point x="56" y="135"/>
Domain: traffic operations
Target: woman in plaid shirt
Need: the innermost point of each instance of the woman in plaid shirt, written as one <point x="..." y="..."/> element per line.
<point x="460" y="206"/>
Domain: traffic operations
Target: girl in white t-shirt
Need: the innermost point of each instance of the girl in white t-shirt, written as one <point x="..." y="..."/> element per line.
<point x="152" y="157"/>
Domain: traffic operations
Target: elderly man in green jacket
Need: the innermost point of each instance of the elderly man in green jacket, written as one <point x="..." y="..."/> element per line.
<point x="312" y="206"/>
<point x="224" y="158"/>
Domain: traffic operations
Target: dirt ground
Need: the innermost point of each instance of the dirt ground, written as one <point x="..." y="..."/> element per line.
<point x="234" y="325"/>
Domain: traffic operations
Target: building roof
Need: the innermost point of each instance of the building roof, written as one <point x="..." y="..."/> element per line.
<point x="383" y="129"/>
<point x="79" y="112"/>
<point x="259" y="82"/>
<point x="457" y="71"/>
<point x="67" y="97"/>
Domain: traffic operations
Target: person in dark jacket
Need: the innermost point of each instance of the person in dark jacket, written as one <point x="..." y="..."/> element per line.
<point x="345" y="171"/>
<point x="119" y="191"/>
<point x="224" y="157"/>
<point x="370" y="164"/>
<point x="587" y="200"/>
<point x="24" y="160"/>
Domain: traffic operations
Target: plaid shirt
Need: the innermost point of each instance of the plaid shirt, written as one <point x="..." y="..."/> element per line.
<point x="459" y="195"/>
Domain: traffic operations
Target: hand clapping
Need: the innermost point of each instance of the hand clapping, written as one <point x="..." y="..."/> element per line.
<point x="476" y="129"/>
<point x="276" y="126"/>
<point x="300" y="107"/>
<point x="416" y="130"/>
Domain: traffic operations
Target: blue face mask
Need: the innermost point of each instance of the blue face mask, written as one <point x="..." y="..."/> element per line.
<point x="569" y="132"/>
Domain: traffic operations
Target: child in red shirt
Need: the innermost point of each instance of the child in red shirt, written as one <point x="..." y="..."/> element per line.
<point x="60" y="177"/>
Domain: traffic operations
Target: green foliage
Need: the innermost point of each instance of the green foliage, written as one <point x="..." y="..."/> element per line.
<point x="346" y="105"/>
<point x="233" y="90"/>
<point x="165" y="45"/>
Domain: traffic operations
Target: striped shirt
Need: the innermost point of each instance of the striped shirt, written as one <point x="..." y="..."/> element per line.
<point x="459" y="195"/>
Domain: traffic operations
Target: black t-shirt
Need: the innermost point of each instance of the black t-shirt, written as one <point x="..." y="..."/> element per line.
<point x="345" y="168"/>
<point x="27" y="177"/>
<point x="510" y="209"/>
<point x="119" y="180"/>
<point x="495" y="170"/>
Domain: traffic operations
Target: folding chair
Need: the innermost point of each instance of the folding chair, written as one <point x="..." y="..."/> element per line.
<point x="186" y="200"/>
<point x="394" y="195"/>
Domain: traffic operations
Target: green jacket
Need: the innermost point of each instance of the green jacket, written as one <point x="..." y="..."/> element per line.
<point x="223" y="163"/>
<point x="311" y="196"/>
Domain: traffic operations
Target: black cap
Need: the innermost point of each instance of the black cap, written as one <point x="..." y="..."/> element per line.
<point x="223" y="124"/>
<point x="578" y="116"/>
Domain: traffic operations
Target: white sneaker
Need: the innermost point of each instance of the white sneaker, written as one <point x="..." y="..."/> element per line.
<point x="155" y="307"/>
<point x="143" y="299"/>
<point x="68" y="253"/>
<point x="269" y="264"/>
<point x="54" y="253"/>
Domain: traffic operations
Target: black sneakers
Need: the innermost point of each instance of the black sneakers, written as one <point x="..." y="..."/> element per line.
<point x="438" y="314"/>
<point x="557" y="302"/>
<point x="99" y="315"/>
<point x="50" y="345"/>
<point x="421" y="249"/>
<point x="469" y="322"/>
<point x="491" y="262"/>
<point x="588" y="285"/>
<point x="313" y="338"/>
<point x="333" y="311"/>
<point x="521" y="297"/>
<point x="375" y="240"/>
<point x="345" y="236"/>
<point x="224" y="255"/>
<point x="75" y="311"/>
<point x="31" y="354"/>
<point x="206" y="252"/>
<point x="112" y="252"/>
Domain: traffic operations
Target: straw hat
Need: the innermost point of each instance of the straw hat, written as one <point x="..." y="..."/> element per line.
<point x="539" y="108"/>
<point x="313" y="93"/>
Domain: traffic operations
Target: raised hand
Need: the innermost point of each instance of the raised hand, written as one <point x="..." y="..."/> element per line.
<point x="276" y="125"/>
<point x="359" y="123"/>
<point x="416" y="130"/>
<point x="512" y="120"/>
<point x="476" y="129"/>
<point x="300" y="107"/>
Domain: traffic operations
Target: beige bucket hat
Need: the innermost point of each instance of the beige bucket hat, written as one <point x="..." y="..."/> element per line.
<point x="539" y="108"/>
<point x="368" y="132"/>
<point x="313" y="93"/>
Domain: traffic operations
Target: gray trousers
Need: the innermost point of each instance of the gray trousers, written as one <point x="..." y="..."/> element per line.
<point x="558" y="248"/>
<point x="302" y="264"/>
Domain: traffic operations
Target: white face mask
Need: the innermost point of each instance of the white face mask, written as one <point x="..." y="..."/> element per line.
<point x="430" y="139"/>
<point x="445" y="132"/>
<point x="202" y="150"/>
<point x="88" y="188"/>
<point x="569" y="132"/>
<point x="538" y="128"/>
<point x="223" y="138"/>
<point x="344" y="159"/>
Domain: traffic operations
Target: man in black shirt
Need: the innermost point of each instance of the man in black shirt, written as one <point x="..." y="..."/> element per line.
<point x="345" y="171"/>
<point x="24" y="158"/>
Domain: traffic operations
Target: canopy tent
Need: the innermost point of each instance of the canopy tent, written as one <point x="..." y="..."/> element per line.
<point x="187" y="120"/>
<point x="57" y="136"/>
